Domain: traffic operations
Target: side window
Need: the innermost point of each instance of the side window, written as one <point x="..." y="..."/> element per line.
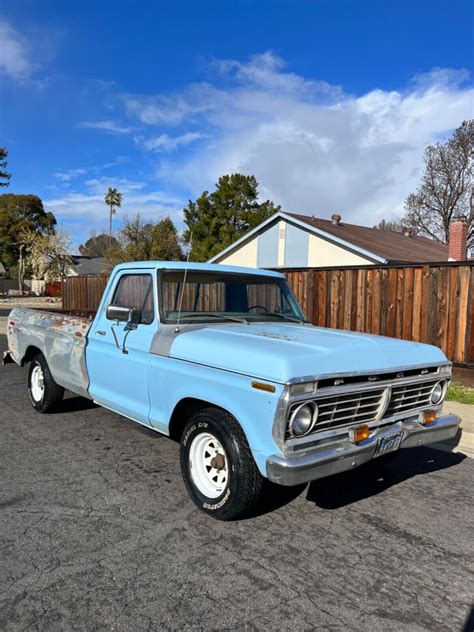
<point x="136" y="291"/>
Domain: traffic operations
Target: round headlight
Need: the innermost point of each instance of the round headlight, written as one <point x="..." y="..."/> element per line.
<point x="302" y="419"/>
<point x="438" y="392"/>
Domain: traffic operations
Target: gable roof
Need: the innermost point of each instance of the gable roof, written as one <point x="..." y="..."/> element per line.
<point x="390" y="245"/>
<point x="82" y="264"/>
<point x="379" y="246"/>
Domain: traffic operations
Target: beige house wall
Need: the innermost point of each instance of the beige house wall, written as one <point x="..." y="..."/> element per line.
<point x="322" y="253"/>
<point x="245" y="256"/>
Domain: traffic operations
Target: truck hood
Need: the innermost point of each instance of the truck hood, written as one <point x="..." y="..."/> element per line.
<point x="280" y="352"/>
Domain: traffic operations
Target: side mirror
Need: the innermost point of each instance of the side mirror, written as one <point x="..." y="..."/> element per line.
<point x="123" y="314"/>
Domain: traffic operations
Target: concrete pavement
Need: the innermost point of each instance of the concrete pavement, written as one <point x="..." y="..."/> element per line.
<point x="98" y="533"/>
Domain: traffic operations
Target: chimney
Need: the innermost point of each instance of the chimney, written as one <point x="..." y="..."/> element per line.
<point x="336" y="219"/>
<point x="457" y="241"/>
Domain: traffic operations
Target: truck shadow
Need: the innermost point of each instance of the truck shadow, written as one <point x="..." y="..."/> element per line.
<point x="73" y="404"/>
<point x="370" y="479"/>
<point x="376" y="476"/>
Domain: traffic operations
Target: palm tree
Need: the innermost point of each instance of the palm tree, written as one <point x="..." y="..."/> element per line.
<point x="113" y="199"/>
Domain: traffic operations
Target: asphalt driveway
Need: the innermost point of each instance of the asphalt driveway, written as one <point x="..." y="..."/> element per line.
<point x="97" y="533"/>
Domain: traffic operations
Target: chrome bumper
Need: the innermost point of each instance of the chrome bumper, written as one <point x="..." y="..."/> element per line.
<point x="320" y="462"/>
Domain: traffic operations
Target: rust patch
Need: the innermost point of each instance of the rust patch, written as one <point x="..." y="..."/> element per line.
<point x="267" y="334"/>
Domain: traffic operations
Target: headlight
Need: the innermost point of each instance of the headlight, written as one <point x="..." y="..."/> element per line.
<point x="303" y="419"/>
<point x="438" y="392"/>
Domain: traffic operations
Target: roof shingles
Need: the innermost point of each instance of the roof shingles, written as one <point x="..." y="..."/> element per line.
<point x="390" y="245"/>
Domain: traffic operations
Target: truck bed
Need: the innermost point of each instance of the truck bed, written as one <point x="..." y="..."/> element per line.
<point x="60" y="335"/>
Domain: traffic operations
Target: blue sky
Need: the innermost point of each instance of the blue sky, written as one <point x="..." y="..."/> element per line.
<point x="328" y="103"/>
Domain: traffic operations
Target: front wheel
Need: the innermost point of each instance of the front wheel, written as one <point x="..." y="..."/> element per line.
<point x="218" y="468"/>
<point x="43" y="390"/>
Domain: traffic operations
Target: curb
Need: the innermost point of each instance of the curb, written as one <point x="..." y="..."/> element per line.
<point x="463" y="442"/>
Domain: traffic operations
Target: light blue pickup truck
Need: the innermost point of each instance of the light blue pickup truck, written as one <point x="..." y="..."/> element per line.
<point x="223" y="360"/>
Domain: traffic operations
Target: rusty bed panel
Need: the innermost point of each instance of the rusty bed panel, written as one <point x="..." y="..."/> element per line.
<point x="60" y="336"/>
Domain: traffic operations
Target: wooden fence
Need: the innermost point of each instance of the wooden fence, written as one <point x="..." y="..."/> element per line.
<point x="83" y="293"/>
<point x="427" y="303"/>
<point x="431" y="303"/>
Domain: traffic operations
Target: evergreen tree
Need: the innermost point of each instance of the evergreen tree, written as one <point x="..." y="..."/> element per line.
<point x="217" y="219"/>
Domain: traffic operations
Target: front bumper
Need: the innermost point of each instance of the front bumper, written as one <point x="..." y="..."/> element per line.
<point x="320" y="462"/>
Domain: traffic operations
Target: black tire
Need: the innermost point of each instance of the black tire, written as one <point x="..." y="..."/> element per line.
<point x="52" y="392"/>
<point x="244" y="482"/>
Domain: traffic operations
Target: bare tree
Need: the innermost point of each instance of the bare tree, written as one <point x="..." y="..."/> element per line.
<point x="48" y="255"/>
<point x="395" y="226"/>
<point x="443" y="194"/>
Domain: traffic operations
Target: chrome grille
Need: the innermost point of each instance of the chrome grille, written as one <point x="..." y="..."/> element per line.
<point x="407" y="397"/>
<point x="348" y="408"/>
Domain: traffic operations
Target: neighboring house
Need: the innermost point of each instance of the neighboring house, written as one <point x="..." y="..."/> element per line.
<point x="82" y="264"/>
<point x="289" y="240"/>
<point x="3" y="272"/>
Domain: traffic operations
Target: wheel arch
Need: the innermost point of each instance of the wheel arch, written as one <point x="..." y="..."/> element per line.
<point x="184" y="410"/>
<point x="30" y="352"/>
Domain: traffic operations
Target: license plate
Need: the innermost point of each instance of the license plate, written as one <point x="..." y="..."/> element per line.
<point x="388" y="444"/>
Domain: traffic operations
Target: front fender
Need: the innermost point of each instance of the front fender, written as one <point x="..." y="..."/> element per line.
<point x="254" y="409"/>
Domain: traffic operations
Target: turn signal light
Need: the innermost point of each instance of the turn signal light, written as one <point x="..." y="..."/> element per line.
<point x="359" y="434"/>
<point x="261" y="386"/>
<point x="428" y="417"/>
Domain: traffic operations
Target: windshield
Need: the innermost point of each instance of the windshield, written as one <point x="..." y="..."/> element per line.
<point x="212" y="296"/>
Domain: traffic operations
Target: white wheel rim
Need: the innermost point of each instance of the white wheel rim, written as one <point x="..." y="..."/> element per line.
<point x="208" y="465"/>
<point x="37" y="383"/>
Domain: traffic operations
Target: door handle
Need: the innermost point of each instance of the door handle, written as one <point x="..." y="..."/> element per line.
<point x="100" y="332"/>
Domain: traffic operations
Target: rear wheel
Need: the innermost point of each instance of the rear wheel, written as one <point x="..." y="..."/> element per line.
<point x="43" y="390"/>
<point x="218" y="468"/>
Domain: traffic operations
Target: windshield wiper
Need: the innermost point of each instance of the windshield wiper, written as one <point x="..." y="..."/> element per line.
<point x="204" y="316"/>
<point x="285" y="317"/>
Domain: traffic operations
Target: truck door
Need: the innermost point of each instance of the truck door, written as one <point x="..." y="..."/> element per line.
<point x="117" y="365"/>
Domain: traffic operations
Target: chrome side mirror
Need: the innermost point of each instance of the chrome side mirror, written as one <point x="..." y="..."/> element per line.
<point x="131" y="317"/>
<point x="124" y="315"/>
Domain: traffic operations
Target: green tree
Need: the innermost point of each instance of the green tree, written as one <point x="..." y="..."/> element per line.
<point x="20" y="213"/>
<point x="98" y="245"/>
<point x="445" y="187"/>
<point x="217" y="219"/>
<point x="165" y="242"/>
<point x="113" y="199"/>
<point x="140" y="241"/>
<point x="4" y="175"/>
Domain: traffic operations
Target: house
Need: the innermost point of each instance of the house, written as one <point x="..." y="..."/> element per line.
<point x="290" y="240"/>
<point x="83" y="264"/>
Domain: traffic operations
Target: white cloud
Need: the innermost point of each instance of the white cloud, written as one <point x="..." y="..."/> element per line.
<point x="166" y="143"/>
<point x="107" y="126"/>
<point x="88" y="206"/>
<point x="67" y="176"/>
<point x="15" y="58"/>
<point x="312" y="147"/>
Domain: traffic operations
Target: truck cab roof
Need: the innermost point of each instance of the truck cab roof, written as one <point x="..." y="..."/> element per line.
<point x="195" y="267"/>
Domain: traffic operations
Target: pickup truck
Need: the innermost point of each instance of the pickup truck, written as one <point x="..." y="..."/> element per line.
<point x="223" y="360"/>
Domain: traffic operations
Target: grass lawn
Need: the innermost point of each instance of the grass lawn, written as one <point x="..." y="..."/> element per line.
<point x="459" y="393"/>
